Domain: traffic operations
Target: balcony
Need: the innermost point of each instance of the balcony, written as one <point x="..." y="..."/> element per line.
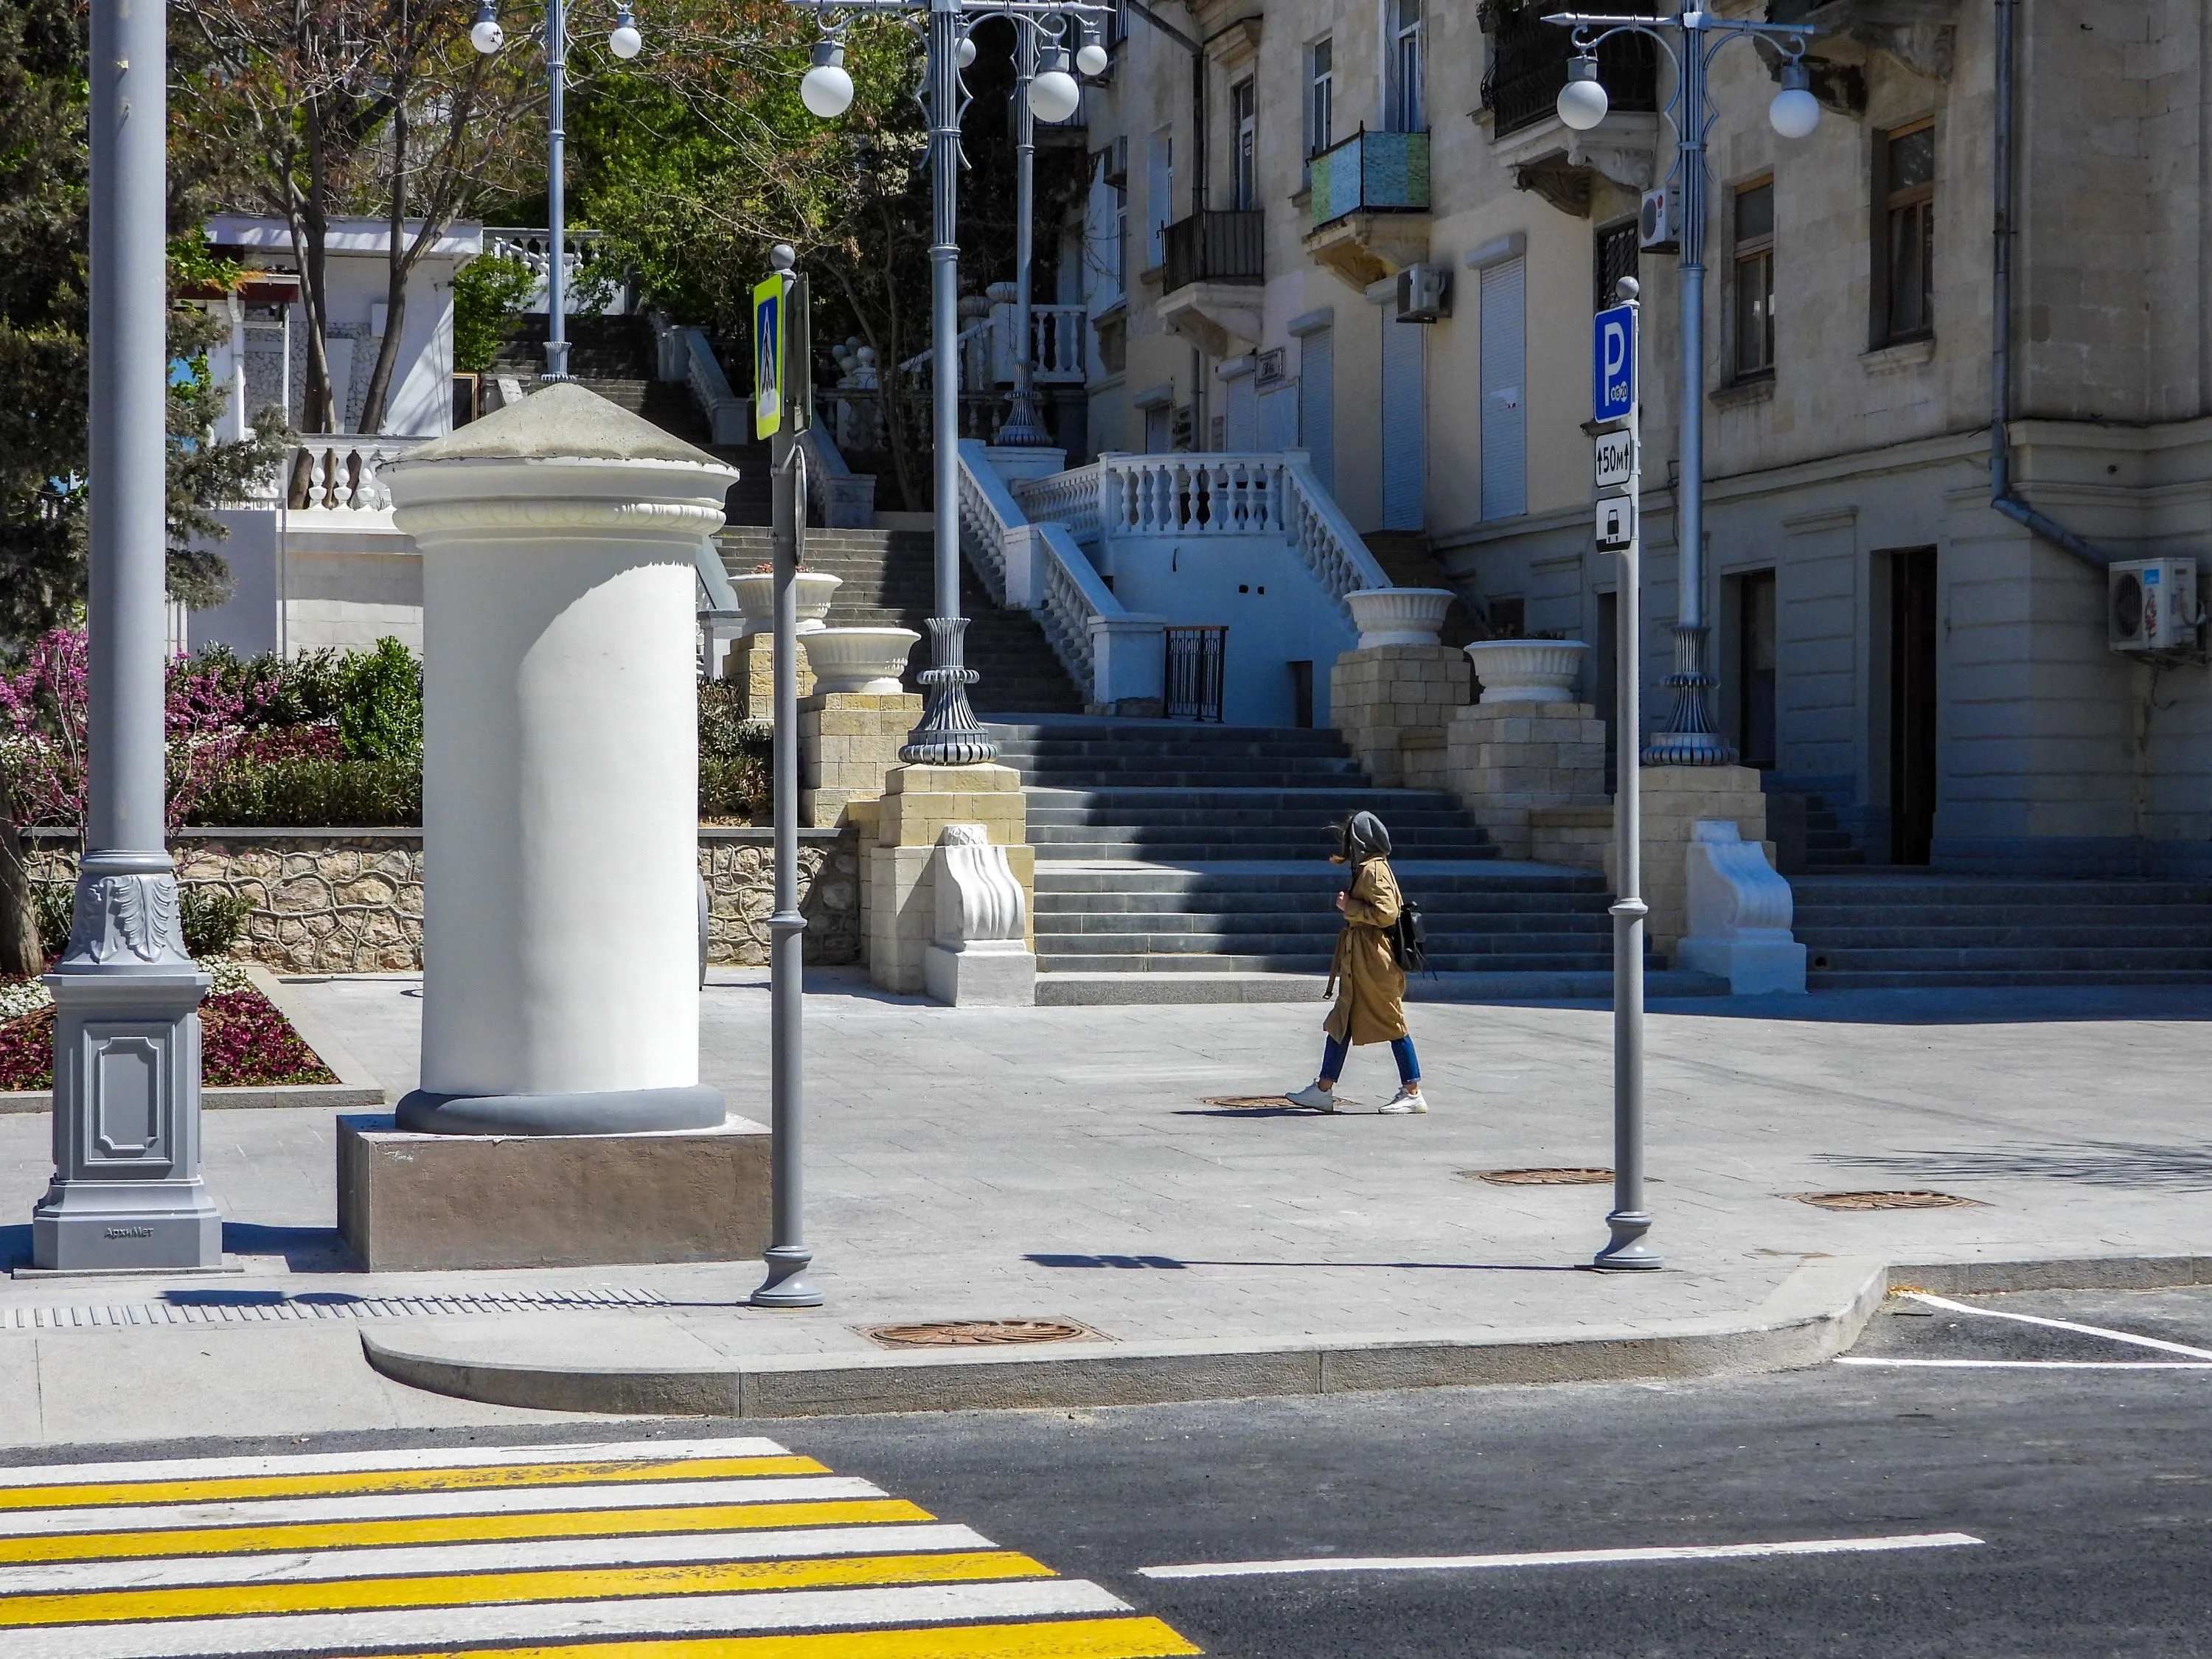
<point x="1367" y="204"/>
<point x="1528" y="65"/>
<point x="1214" y="264"/>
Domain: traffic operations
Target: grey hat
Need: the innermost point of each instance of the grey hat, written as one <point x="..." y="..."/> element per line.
<point x="1365" y="838"/>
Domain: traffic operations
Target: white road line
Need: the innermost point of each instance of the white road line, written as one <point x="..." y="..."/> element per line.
<point x="450" y="1628"/>
<point x="1926" y="1541"/>
<point x="421" y="1457"/>
<point x="525" y="1500"/>
<point x="2061" y="1325"/>
<point x="2028" y="1365"/>
<point x="411" y="1560"/>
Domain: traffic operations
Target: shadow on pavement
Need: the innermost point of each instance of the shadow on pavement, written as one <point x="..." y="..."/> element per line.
<point x="2130" y="1165"/>
<point x="1168" y="1262"/>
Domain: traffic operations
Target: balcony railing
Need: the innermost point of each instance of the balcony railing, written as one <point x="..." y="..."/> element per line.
<point x="1369" y="173"/>
<point x="1223" y="246"/>
<point x="1527" y="64"/>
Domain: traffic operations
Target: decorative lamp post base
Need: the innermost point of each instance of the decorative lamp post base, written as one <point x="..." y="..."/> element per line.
<point x="787" y="1284"/>
<point x="1688" y="739"/>
<point x="1024" y="426"/>
<point x="1626" y="1252"/>
<point x="948" y="734"/>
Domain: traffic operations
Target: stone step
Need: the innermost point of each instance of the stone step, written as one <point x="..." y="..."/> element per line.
<point x="1421" y="878"/>
<point x="1065" y="989"/>
<point x="1311" y="963"/>
<point x="2041" y="958"/>
<point x="2060" y="931"/>
<point x="1443" y="922"/>
<point x="1931" y="979"/>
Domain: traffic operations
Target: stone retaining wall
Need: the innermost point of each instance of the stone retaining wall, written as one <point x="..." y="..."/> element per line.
<point x="350" y="901"/>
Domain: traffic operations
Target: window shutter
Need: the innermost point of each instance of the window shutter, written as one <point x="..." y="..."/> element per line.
<point x="1241" y="428"/>
<point x="1318" y="404"/>
<point x="1405" y="438"/>
<point x="1505" y="378"/>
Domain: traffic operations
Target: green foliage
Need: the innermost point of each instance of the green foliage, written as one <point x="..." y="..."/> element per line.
<point x="736" y="779"/>
<point x="315" y="794"/>
<point x="211" y="921"/>
<point x="55" y="903"/>
<point x="278" y="690"/>
<point x="488" y="297"/>
<point x="380" y="704"/>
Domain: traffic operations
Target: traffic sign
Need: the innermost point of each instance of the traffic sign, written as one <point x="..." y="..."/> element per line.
<point x="768" y="356"/>
<point x="1613" y="363"/>
<point x="1615" y="459"/>
<point x="1616" y="523"/>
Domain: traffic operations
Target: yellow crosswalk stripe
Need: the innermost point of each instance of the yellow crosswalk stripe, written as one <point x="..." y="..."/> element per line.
<point x="453" y="1530"/>
<point x="491" y="1589"/>
<point x="475" y="1478"/>
<point x="1084" y="1638"/>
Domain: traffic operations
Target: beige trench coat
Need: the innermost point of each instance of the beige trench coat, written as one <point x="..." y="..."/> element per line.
<point x="1371" y="1006"/>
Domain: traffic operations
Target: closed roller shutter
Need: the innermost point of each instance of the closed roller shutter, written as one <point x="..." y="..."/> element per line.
<point x="1318" y="404"/>
<point x="1405" y="425"/>
<point x="1504" y="380"/>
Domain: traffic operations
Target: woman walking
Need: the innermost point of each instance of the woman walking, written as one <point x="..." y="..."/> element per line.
<point x="1371" y="1007"/>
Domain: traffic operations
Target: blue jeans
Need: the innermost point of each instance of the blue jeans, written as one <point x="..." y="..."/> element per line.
<point x="1401" y="1050"/>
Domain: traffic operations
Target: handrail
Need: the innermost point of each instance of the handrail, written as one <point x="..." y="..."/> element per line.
<point x="1070" y="498"/>
<point x="1324" y="538"/>
<point x="987" y="513"/>
<point x="724" y="410"/>
<point x="1193" y="495"/>
<point x="841" y="499"/>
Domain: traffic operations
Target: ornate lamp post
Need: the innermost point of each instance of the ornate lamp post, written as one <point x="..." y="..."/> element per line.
<point x="625" y="42"/>
<point x="948" y="734"/>
<point x="1691" y="39"/>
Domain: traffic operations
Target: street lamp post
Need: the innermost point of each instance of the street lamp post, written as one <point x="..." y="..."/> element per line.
<point x="1022" y="425"/>
<point x="1691" y="39"/>
<point x="624" y="41"/>
<point x="948" y="734"/>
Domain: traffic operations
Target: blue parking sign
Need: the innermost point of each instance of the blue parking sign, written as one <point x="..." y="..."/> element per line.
<point x="1613" y="363"/>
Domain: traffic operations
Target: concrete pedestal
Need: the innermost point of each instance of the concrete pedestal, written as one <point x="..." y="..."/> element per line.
<point x="1675" y="798"/>
<point x="412" y="1202"/>
<point x="918" y="803"/>
<point x="750" y="665"/>
<point x="1509" y="760"/>
<point x="1388" y="700"/>
<point x="848" y="744"/>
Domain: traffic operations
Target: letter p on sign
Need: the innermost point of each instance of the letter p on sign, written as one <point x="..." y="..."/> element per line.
<point x="1613" y="364"/>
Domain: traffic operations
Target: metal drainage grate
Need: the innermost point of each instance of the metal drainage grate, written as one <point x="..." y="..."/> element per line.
<point x="251" y="1307"/>
<point x="1250" y="1102"/>
<point x="1539" y="1178"/>
<point x="1913" y="1201"/>
<point x="981" y="1333"/>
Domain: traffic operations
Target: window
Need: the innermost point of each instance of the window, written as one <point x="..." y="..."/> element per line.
<point x="1243" y="109"/>
<point x="1755" y="280"/>
<point x="1405" y="112"/>
<point x="1616" y="258"/>
<point x="1321" y="96"/>
<point x="1904" y="234"/>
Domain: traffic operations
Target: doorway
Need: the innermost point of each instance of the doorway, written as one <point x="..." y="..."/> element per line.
<point x="1912" y="771"/>
<point x="1755" y="654"/>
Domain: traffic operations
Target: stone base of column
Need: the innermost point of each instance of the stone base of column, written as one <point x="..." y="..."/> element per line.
<point x="982" y="974"/>
<point x="917" y="802"/>
<point x="848" y="744"/>
<point x="416" y="1202"/>
<point x="1674" y="799"/>
<point x="1506" y="760"/>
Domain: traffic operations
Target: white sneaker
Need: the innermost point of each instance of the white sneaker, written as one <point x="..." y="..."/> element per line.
<point x="1314" y="1097"/>
<point x="1405" y="1100"/>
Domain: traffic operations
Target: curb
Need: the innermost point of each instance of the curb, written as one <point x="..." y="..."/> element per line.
<point x="1816" y="1313"/>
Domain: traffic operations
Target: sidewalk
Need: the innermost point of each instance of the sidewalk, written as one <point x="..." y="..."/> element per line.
<point x="1062" y="1163"/>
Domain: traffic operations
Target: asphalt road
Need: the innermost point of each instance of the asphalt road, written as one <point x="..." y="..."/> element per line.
<point x="2089" y="1488"/>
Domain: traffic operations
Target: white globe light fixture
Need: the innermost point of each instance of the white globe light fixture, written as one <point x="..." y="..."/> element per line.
<point x="625" y="42"/>
<point x="1092" y="59"/>
<point x="1054" y="94"/>
<point x="1794" y="111"/>
<point x="1582" y="100"/>
<point x="966" y="56"/>
<point x="485" y="33"/>
<point x="826" y="90"/>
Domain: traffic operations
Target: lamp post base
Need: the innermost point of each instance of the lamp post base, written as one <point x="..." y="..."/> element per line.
<point x="948" y="734"/>
<point x="1627" y="1252"/>
<point x="787" y="1285"/>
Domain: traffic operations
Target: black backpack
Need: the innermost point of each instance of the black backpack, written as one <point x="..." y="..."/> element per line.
<point x="1409" y="936"/>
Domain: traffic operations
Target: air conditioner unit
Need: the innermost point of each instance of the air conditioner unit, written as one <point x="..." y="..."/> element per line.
<point x="1659" y="227"/>
<point x="1114" y="163"/>
<point x="1423" y="294"/>
<point x="2150" y="605"/>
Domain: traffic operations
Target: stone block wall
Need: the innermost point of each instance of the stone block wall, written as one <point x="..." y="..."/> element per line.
<point x="848" y="742"/>
<point x="350" y="901"/>
<point x="1390" y="700"/>
<point x="1508" y="760"/>
<point x="750" y="665"/>
<point x="1674" y="799"/>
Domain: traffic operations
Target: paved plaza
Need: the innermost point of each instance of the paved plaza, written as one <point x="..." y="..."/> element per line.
<point x="1067" y="1164"/>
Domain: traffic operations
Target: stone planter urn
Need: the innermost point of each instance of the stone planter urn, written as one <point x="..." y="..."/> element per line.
<point x="756" y="593"/>
<point x="1399" y="616"/>
<point x="1527" y="670"/>
<point x="868" y="661"/>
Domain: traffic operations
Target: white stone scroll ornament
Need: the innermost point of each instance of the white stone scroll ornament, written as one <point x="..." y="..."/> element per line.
<point x="979" y="955"/>
<point x="1739" y="912"/>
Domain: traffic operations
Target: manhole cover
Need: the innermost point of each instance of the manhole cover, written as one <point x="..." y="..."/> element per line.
<point x="1887" y="1200"/>
<point x="1250" y="1102"/>
<point x="1539" y="1178"/>
<point x="981" y="1333"/>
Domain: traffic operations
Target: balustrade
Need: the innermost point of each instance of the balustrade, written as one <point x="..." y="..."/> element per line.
<point x="340" y="472"/>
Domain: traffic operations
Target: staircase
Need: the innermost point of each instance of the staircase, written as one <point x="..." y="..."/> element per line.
<point x="1923" y="929"/>
<point x="1187" y="863"/>
<point x="1829" y="845"/>
<point x="889" y="582"/>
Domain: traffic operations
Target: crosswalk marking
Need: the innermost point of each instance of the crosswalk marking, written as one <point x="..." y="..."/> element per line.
<point x="729" y="1549"/>
<point x="798" y="1490"/>
<point x="204" y="1541"/>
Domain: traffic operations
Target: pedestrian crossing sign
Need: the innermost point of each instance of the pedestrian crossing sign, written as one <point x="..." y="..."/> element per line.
<point x="768" y="356"/>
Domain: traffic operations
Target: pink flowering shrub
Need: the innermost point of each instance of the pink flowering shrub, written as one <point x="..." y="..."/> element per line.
<point x="245" y="1044"/>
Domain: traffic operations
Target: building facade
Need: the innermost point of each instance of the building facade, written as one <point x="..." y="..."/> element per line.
<point x="1277" y="183"/>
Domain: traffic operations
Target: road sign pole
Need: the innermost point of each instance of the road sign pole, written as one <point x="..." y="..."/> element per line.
<point x="1616" y="396"/>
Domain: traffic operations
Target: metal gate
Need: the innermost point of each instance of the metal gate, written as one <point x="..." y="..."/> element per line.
<point x="1195" y="658"/>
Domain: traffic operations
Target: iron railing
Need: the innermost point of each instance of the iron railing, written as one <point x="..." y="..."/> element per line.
<point x="1218" y="246"/>
<point x="1369" y="173"/>
<point x="1196" y="661"/>
<point x="1528" y="65"/>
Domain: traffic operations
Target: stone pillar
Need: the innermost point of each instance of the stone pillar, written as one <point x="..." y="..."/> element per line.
<point x="1675" y="798"/>
<point x="1394" y="704"/>
<point x="917" y="806"/>
<point x="561" y="991"/>
<point x="1507" y="761"/>
<point x="750" y="665"/>
<point x="848" y="744"/>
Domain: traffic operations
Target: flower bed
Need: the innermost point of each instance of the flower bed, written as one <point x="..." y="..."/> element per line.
<point x="245" y="1042"/>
